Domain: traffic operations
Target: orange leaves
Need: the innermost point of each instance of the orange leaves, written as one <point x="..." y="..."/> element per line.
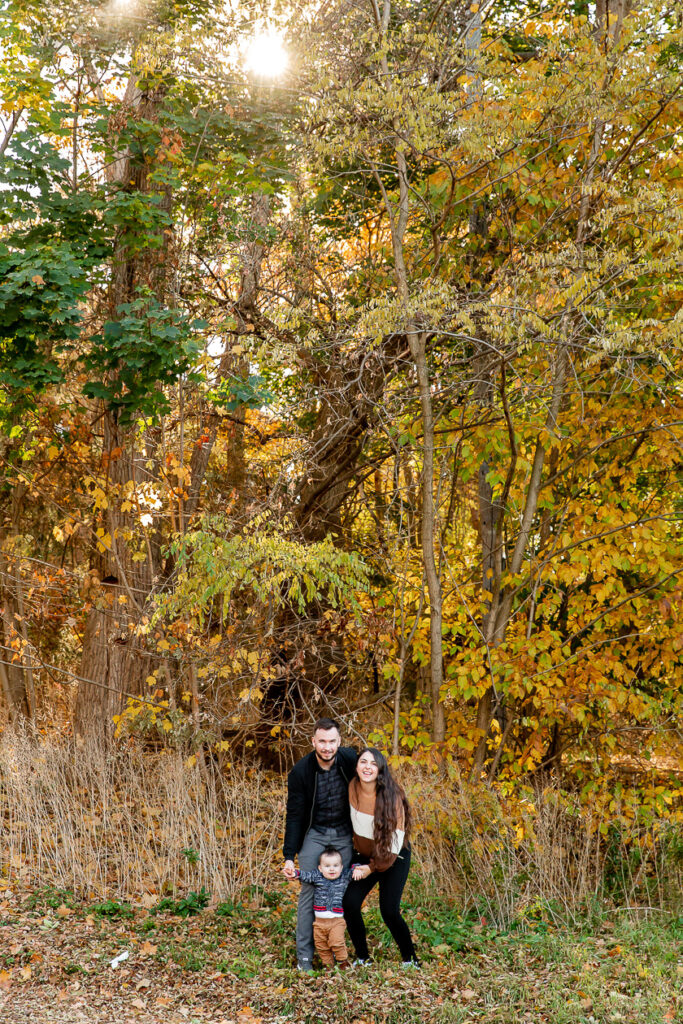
<point x="171" y="147"/>
<point x="247" y="1016"/>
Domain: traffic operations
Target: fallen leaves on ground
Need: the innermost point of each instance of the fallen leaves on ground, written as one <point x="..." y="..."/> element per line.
<point x="55" y="968"/>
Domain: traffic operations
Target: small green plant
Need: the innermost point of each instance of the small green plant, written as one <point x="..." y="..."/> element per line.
<point x="72" y="968"/>
<point x="190" y="959"/>
<point x="243" y="967"/>
<point x="165" y="905"/>
<point x="227" y="909"/>
<point x="191" y="904"/>
<point x="112" y="909"/>
<point x="446" y="930"/>
<point x="50" y="897"/>
<point x="191" y="855"/>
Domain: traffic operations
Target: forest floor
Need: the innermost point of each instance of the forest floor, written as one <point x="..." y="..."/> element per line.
<point x="231" y="963"/>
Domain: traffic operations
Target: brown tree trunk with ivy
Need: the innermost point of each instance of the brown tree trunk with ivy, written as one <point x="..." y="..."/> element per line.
<point x="114" y="663"/>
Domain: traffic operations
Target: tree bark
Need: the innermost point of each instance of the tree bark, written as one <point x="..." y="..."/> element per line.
<point x="245" y="310"/>
<point x="111" y="658"/>
<point x="16" y="674"/>
<point x="418" y="349"/>
<point x="418" y="343"/>
<point x="107" y="665"/>
<point x="398" y="214"/>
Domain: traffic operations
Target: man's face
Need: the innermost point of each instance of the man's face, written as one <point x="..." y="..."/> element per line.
<point x="326" y="744"/>
<point x="330" y="865"/>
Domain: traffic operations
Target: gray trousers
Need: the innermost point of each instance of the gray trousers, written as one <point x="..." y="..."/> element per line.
<point x="314" y="843"/>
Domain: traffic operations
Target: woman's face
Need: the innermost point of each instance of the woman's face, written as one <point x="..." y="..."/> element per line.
<point x="367" y="767"/>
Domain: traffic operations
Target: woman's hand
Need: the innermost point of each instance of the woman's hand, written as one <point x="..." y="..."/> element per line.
<point x="361" y="871"/>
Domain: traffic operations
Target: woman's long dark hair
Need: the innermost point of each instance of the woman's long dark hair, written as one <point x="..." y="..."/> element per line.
<point x="388" y="801"/>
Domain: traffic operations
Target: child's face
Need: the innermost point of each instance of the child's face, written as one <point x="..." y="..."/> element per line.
<point x="330" y="865"/>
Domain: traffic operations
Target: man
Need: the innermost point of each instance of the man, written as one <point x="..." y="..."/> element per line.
<point x="317" y="816"/>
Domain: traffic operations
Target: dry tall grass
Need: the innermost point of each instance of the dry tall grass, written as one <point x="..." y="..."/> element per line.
<point x="127" y="822"/>
<point x="124" y="823"/>
<point x="542" y="856"/>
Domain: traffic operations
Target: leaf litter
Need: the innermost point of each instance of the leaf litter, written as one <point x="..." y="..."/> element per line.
<point x="232" y="965"/>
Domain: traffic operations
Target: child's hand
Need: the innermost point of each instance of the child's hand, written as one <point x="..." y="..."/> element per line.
<point x="359" y="873"/>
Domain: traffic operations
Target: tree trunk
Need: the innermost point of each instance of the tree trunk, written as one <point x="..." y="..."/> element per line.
<point x="245" y="309"/>
<point x="16" y="672"/>
<point x="109" y="666"/>
<point x="111" y="659"/>
<point x="418" y="343"/>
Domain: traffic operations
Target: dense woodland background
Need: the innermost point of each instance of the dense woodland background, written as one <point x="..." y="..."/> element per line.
<point x="355" y="391"/>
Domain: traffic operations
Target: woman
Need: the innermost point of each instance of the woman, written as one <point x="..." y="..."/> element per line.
<point x="380" y="817"/>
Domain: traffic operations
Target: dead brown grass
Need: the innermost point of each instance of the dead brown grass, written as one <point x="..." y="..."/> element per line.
<point x="127" y="822"/>
<point x="539" y="854"/>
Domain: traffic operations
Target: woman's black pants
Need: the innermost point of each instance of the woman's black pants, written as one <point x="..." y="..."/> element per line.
<point x="391" y="885"/>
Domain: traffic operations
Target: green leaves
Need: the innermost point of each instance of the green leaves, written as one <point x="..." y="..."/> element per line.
<point x="234" y="392"/>
<point x="266" y="563"/>
<point x="146" y="348"/>
<point x="137" y="220"/>
<point x="42" y="288"/>
<point x="49" y="262"/>
<point x="49" y="265"/>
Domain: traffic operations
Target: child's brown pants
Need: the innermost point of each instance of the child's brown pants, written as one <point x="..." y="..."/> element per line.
<point x="330" y="943"/>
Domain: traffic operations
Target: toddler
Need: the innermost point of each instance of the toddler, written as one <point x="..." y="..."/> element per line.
<point x="330" y="880"/>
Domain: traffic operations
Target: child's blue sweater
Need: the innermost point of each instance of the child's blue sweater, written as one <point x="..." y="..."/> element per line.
<point x="328" y="892"/>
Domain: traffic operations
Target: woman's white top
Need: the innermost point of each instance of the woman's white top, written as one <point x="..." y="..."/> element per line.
<point x="364" y="825"/>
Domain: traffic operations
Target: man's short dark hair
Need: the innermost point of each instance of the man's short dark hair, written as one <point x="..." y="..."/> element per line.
<point x="331" y="851"/>
<point x="326" y="723"/>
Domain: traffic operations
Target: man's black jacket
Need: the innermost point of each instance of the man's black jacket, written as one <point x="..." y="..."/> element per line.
<point x="302" y="784"/>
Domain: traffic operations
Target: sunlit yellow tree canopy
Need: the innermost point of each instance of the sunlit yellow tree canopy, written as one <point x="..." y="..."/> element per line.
<point x="341" y="352"/>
